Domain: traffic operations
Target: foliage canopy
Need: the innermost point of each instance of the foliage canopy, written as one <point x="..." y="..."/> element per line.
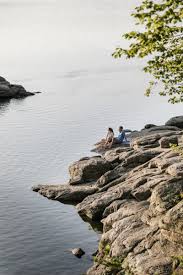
<point x="161" y="40"/>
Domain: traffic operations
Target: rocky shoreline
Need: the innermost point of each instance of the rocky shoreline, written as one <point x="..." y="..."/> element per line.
<point x="137" y="193"/>
<point x="8" y="90"/>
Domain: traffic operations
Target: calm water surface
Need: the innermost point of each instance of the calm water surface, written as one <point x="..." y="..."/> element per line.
<point x="63" y="49"/>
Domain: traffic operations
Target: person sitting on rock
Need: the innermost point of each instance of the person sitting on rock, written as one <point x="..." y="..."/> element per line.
<point x="121" y="138"/>
<point x="108" y="141"/>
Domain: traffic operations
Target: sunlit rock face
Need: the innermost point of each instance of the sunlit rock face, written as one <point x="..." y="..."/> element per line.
<point x="137" y="193"/>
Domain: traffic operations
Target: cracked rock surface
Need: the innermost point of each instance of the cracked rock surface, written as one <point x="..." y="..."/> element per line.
<point x="137" y="193"/>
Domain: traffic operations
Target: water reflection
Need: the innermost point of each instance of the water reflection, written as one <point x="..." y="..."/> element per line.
<point x="97" y="226"/>
<point x="4" y="105"/>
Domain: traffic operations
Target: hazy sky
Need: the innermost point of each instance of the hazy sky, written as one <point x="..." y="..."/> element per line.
<point x="73" y="32"/>
<point x="66" y="46"/>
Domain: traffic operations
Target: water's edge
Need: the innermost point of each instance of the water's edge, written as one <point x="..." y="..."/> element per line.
<point x="118" y="189"/>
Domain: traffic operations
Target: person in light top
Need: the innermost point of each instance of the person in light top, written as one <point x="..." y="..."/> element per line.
<point x="108" y="140"/>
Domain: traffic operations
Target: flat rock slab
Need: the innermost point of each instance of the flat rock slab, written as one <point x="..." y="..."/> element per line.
<point x="102" y="151"/>
<point x="66" y="193"/>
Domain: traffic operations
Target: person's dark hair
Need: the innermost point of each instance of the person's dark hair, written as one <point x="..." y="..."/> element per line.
<point x="121" y="127"/>
<point x="110" y="129"/>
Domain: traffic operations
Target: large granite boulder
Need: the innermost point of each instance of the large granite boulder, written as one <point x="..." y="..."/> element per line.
<point x="140" y="157"/>
<point x="164" y="196"/>
<point x="125" y="208"/>
<point x="93" y="206"/>
<point x="175" y="121"/>
<point x="117" y="155"/>
<point x="88" y="170"/>
<point x="172" y="222"/>
<point x="165" y="142"/>
<point x="148" y="126"/>
<point x="8" y="90"/>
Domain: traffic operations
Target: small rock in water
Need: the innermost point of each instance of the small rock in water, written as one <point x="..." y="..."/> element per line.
<point x="78" y="252"/>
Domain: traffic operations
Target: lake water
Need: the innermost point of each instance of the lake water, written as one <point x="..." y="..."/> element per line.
<point x="63" y="49"/>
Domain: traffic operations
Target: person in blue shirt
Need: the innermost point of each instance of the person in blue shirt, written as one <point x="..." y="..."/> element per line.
<point x="121" y="138"/>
